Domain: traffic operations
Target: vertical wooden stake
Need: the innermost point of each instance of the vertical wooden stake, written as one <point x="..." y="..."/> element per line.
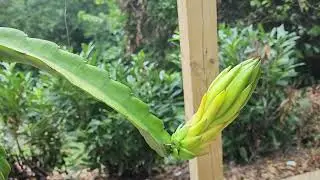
<point x="198" y="31"/>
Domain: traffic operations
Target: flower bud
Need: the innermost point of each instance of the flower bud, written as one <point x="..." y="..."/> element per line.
<point x="220" y="105"/>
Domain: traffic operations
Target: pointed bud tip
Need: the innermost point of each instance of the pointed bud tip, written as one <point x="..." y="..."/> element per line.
<point x="252" y="61"/>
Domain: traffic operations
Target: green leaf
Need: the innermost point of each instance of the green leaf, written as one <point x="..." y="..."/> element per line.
<point x="17" y="47"/>
<point x="4" y="165"/>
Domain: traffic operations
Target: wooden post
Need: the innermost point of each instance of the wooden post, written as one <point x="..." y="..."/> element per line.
<point x="198" y="31"/>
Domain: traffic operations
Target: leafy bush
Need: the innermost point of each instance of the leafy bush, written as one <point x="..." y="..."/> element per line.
<point x="261" y="127"/>
<point x="87" y="132"/>
<point x="305" y="106"/>
<point x="115" y="143"/>
<point x="292" y="14"/>
<point x="30" y="123"/>
<point x="68" y="23"/>
<point x="53" y="113"/>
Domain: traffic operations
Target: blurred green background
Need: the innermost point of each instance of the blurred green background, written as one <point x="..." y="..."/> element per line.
<point x="48" y="125"/>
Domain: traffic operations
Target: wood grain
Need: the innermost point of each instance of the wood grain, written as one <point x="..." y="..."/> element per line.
<point x="198" y="31"/>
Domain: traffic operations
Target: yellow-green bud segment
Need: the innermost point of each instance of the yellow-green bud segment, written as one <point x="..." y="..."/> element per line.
<point x="208" y="116"/>
<point x="221" y="104"/>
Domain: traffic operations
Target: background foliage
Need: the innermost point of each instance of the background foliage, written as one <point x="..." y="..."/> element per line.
<point x="251" y="136"/>
<point x="47" y="124"/>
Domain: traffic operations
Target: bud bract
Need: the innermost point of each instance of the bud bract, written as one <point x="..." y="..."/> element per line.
<point x="220" y="105"/>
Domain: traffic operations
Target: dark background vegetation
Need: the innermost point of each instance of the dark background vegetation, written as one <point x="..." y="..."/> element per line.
<point x="47" y="124"/>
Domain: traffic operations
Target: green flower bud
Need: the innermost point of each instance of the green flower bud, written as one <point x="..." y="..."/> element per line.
<point x="220" y="105"/>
